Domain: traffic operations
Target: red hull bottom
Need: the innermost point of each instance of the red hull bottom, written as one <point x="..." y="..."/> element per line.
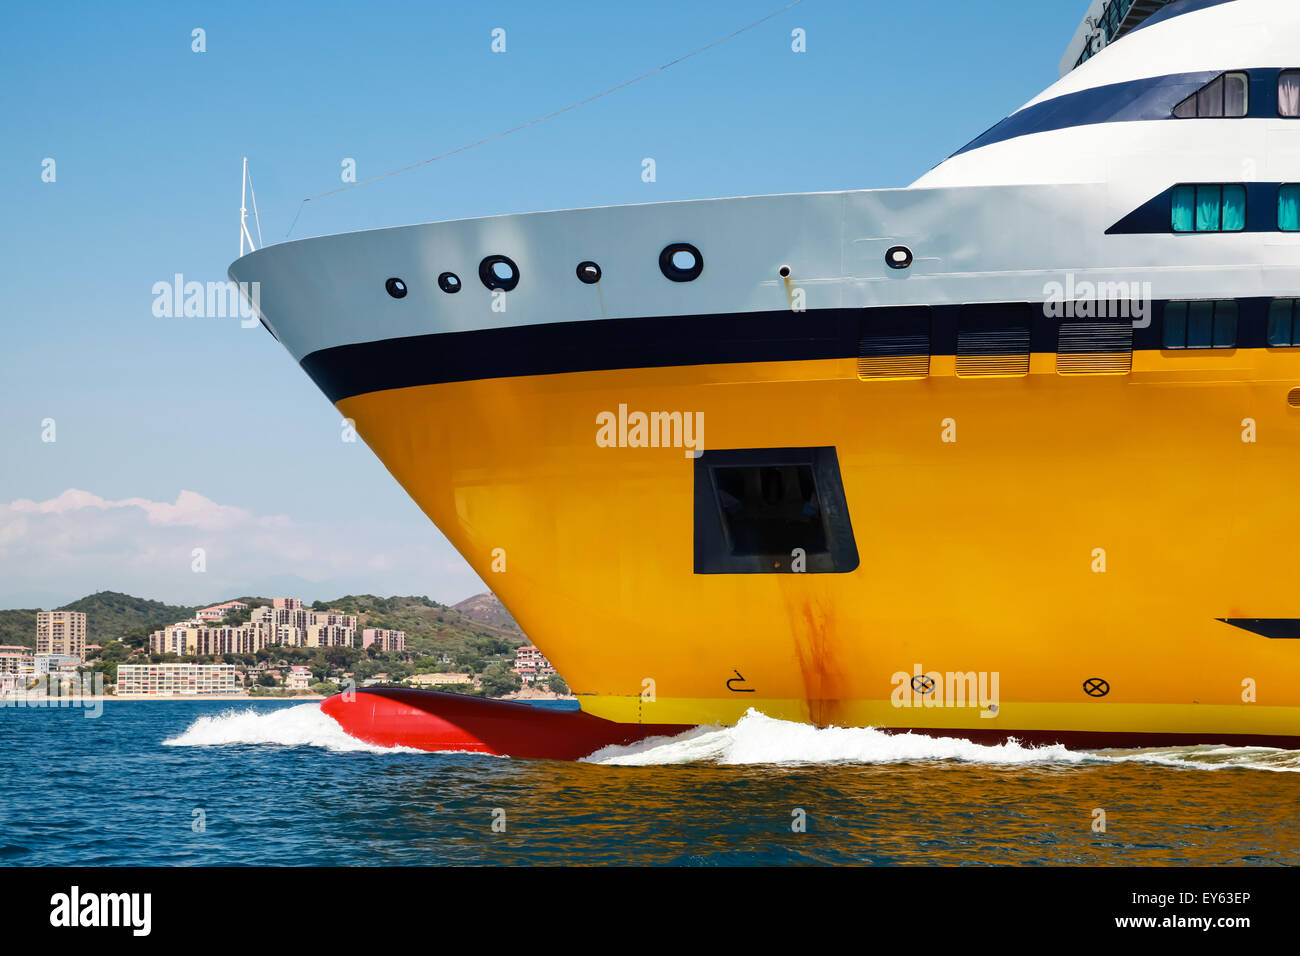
<point x="432" y="720"/>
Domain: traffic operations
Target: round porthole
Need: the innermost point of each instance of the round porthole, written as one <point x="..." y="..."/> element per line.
<point x="396" y="288"/>
<point x="449" y="282"/>
<point x="498" y="272"/>
<point x="588" y="272"/>
<point x="681" y="262"/>
<point x="898" y="257"/>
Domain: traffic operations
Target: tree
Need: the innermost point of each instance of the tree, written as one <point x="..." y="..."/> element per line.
<point x="557" y="684"/>
<point x="498" y="680"/>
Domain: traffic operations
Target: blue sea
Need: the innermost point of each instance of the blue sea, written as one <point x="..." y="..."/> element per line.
<point x="278" y="783"/>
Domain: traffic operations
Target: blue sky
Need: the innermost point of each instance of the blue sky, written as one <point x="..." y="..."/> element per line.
<point x="147" y="137"/>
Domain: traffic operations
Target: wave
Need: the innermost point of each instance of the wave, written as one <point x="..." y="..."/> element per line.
<point x="755" y="739"/>
<point x="759" y="739"/>
<point x="304" y="725"/>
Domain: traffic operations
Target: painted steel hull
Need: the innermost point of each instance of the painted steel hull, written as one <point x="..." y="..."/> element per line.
<point x="434" y="721"/>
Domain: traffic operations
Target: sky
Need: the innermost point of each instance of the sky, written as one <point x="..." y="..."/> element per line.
<point x="175" y="434"/>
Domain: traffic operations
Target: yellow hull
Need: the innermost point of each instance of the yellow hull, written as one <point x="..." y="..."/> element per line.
<point x="1079" y="527"/>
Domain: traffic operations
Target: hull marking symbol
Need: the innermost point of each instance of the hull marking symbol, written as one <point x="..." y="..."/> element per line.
<point x="738" y="679"/>
<point x="923" y="684"/>
<point x="1096" y="687"/>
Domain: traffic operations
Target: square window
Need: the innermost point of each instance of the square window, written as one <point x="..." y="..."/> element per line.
<point x="1288" y="93"/>
<point x="1288" y="208"/>
<point x="1176" y="325"/>
<point x="755" y="508"/>
<point x="1281" y="323"/>
<point x="1225" y="324"/>
<point x="1184" y="209"/>
<point x="1200" y="324"/>
<point x="1209" y="208"/>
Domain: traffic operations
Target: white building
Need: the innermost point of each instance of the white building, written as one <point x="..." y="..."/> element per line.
<point x="175" y="680"/>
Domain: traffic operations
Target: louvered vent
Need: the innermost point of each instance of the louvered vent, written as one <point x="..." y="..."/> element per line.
<point x="1293" y="398"/>
<point x="894" y="344"/>
<point x="993" y="340"/>
<point x="1095" y="348"/>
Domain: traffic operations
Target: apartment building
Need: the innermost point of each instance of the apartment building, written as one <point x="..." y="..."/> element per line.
<point x="61" y="632"/>
<point x="175" y="680"/>
<point x="387" y="640"/>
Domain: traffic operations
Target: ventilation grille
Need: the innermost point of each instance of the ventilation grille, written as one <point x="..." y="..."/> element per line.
<point x="894" y="345"/>
<point x="1095" y="348"/>
<point x="993" y="340"/>
<point x="1293" y="398"/>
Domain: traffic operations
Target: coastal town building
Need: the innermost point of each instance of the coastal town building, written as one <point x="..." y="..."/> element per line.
<point x="285" y="623"/>
<point x="219" y="611"/>
<point x="387" y="640"/>
<point x="440" y="680"/>
<point x="44" y="664"/>
<point x="175" y="680"/>
<point x="299" y="678"/>
<point x="61" y="632"/>
<point x="17" y="667"/>
<point x="531" y="664"/>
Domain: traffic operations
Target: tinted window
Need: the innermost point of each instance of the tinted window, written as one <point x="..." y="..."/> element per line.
<point x="1224" y="96"/>
<point x="1201" y="324"/>
<point x="1282" y="326"/>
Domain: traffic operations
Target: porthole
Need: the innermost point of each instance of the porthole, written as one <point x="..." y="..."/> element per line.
<point x="396" y="288"/>
<point x="588" y="272"/>
<point x="898" y="257"/>
<point x="498" y="272"/>
<point x="783" y="272"/>
<point x="449" y="282"/>
<point x="681" y="262"/>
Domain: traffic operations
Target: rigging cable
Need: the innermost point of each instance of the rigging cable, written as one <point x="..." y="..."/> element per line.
<point x="542" y="119"/>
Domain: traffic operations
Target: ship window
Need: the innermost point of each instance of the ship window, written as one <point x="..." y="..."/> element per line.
<point x="1201" y="324"/>
<point x="1288" y="93"/>
<point x="1283" y="327"/>
<point x="498" y="272"/>
<point x="1224" y="96"/>
<point x="1288" y="208"/>
<point x="681" y="262"/>
<point x="1208" y="208"/>
<point x="993" y="340"/>
<point x="773" y="511"/>
<point x="449" y="282"/>
<point x="588" y="272"/>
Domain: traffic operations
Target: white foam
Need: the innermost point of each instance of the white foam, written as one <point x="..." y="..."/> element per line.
<point x="759" y="739"/>
<point x="304" y="725"/>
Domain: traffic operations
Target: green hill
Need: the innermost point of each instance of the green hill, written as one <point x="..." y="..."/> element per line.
<point x="110" y="616"/>
<point x="432" y="629"/>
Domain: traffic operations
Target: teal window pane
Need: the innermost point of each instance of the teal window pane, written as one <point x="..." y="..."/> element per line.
<point x="1225" y="324"/>
<point x="1176" y="325"/>
<point x="1234" y="208"/>
<point x="1288" y="209"/>
<point x="1184" y="217"/>
<point x="1209" y="203"/>
<point x="1280" y="323"/>
<point x="1200" y="325"/>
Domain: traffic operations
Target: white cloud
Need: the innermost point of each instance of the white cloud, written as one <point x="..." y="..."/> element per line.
<point x="61" y="549"/>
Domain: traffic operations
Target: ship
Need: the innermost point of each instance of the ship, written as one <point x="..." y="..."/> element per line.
<point x="1008" y="453"/>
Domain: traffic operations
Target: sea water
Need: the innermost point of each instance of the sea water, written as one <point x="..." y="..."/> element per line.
<point x="278" y="782"/>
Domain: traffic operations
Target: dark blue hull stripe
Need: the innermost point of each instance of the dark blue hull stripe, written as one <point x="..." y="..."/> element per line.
<point x="674" y="341"/>
<point x="1151" y="98"/>
<point x="1274" y="628"/>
